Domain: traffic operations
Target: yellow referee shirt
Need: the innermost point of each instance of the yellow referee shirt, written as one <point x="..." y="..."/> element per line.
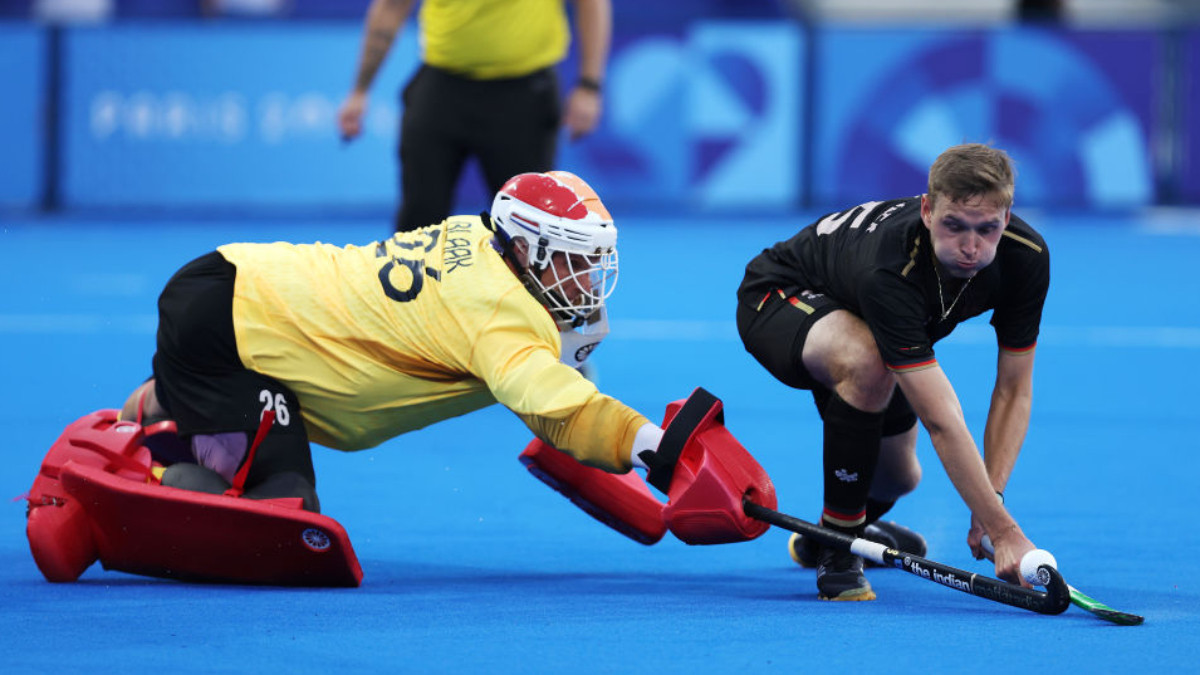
<point x="493" y="39"/>
<point x="382" y="339"/>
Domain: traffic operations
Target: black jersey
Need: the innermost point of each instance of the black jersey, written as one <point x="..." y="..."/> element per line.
<point x="877" y="261"/>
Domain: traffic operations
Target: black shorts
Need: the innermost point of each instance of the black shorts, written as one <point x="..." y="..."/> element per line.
<point x="774" y="326"/>
<point x="201" y="382"/>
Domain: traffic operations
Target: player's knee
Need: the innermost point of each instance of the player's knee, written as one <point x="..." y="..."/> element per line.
<point x="195" y="478"/>
<point x="866" y="385"/>
<point x="287" y="484"/>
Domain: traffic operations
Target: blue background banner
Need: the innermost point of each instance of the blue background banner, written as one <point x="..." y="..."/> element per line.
<point x="22" y="130"/>
<point x="1075" y="109"/>
<point x="1190" y="132"/>
<point x="710" y="117"/>
<point x="189" y="114"/>
<point x="702" y="116"/>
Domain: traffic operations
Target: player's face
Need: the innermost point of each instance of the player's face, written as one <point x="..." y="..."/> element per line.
<point x="964" y="233"/>
<point x="568" y="275"/>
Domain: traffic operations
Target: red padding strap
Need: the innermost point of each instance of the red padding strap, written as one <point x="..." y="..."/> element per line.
<point x="239" y="479"/>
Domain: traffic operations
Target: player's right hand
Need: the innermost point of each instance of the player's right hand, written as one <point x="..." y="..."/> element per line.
<point x="1007" y="555"/>
<point x="350" y="115"/>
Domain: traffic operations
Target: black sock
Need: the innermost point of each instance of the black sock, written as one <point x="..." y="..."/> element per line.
<point x="876" y="509"/>
<point x="851" y="451"/>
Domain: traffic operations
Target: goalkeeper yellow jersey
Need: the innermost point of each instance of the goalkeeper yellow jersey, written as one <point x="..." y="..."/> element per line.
<point x="491" y="39"/>
<point x="382" y="339"/>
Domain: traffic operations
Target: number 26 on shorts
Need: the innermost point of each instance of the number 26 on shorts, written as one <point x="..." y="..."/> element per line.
<point x="275" y="402"/>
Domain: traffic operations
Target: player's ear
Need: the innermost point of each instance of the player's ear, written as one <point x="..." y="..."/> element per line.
<point x="926" y="210"/>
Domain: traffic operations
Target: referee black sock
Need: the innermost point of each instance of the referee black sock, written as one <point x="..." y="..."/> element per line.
<point x="851" y="451"/>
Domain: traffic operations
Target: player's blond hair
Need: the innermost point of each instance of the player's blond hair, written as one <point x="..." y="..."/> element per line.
<point x="973" y="170"/>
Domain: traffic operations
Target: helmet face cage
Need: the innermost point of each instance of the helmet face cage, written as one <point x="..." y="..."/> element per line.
<point x="587" y="279"/>
<point x="571" y="242"/>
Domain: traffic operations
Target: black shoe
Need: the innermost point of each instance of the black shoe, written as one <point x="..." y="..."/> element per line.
<point x="899" y="537"/>
<point x="840" y="577"/>
<point x="887" y="533"/>
<point x="804" y="550"/>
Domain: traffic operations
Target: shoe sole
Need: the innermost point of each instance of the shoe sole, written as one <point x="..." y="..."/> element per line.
<point x="854" y="595"/>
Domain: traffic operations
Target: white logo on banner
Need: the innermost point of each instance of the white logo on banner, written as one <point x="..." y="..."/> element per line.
<point x="170" y="116"/>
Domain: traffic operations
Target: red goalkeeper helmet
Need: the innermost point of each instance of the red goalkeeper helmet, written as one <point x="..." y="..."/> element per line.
<point x="558" y="213"/>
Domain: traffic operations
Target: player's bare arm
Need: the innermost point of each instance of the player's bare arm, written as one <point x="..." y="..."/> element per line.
<point x="593" y="19"/>
<point x="384" y="19"/>
<point x="1008" y="417"/>
<point x="934" y="400"/>
<point x="1008" y="422"/>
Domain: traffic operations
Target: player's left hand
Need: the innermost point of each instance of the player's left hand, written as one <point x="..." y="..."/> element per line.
<point x="582" y="114"/>
<point x="975" y="538"/>
<point x="350" y="116"/>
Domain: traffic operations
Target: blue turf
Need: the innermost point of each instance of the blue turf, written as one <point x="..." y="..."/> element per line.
<point x="471" y="565"/>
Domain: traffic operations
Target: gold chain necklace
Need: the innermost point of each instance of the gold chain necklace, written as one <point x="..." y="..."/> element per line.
<point x="941" y="299"/>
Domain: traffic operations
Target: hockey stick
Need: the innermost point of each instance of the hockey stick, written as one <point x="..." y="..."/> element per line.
<point x="1079" y="599"/>
<point x="1054" y="600"/>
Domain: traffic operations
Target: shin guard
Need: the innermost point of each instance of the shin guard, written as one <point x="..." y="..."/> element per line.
<point x="96" y="498"/>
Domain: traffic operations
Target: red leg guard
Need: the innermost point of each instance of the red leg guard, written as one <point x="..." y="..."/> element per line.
<point x="711" y="476"/>
<point x="60" y="534"/>
<point x="56" y="525"/>
<point x="621" y="501"/>
<point x="179" y="534"/>
<point x="95" y="498"/>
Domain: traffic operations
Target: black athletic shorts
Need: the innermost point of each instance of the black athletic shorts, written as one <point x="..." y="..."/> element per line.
<point x="201" y="382"/>
<point x="773" y="328"/>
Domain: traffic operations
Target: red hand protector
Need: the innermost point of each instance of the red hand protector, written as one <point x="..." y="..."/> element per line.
<point x="707" y="474"/>
<point x="621" y="501"/>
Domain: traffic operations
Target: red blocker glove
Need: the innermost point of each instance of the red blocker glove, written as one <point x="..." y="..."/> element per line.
<point x="621" y="501"/>
<point x="706" y="474"/>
